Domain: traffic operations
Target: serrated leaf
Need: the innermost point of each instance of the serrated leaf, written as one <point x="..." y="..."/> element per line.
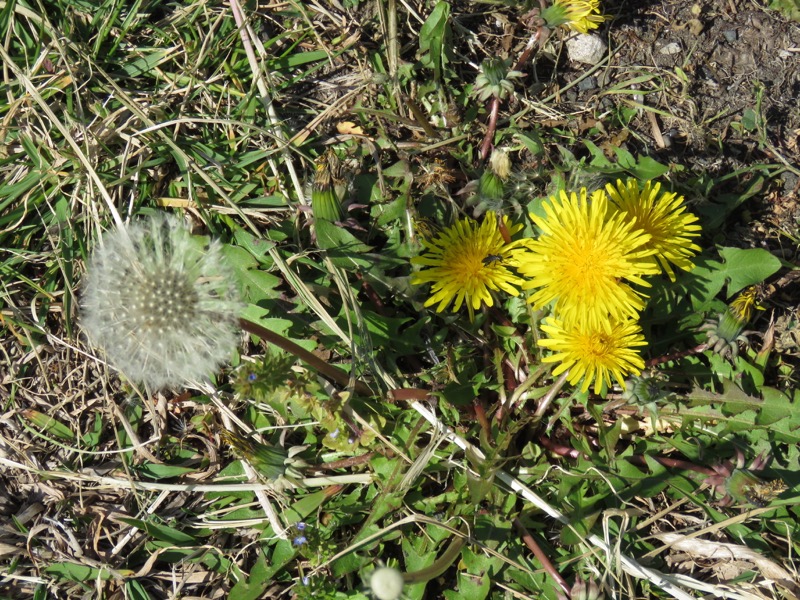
<point x="733" y="400"/>
<point x="256" y="285"/>
<point x="470" y="587"/>
<point x="254" y="586"/>
<point x="258" y="247"/>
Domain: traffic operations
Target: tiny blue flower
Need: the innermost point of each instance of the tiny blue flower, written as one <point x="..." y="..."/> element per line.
<point x="334" y="434"/>
<point x="306" y="580"/>
<point x="252" y="377"/>
<point x="300" y="540"/>
<point x="300" y="526"/>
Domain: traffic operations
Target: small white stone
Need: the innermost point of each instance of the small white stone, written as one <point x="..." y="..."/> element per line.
<point x="670" y="49"/>
<point x="586" y="48"/>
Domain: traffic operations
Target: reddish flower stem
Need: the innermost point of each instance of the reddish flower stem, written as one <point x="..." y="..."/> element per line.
<point x="676" y="355"/>
<point x="323" y="368"/>
<point x="486" y="146"/>
<point x="530" y="542"/>
<point x="674" y="463"/>
<point x="539" y="35"/>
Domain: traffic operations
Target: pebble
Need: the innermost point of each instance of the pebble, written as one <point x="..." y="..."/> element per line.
<point x="589" y="83"/>
<point x="730" y="35"/>
<point x="670" y="49"/>
<point x="586" y="48"/>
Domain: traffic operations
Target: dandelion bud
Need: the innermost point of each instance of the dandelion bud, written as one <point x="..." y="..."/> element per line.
<point x="326" y="204"/>
<point x="725" y="333"/>
<point x="160" y="303"/>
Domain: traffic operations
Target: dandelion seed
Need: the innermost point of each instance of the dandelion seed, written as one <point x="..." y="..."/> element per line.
<point x="594" y="353"/>
<point x="386" y="583"/>
<point x="457" y="265"/>
<point x="160" y="303"/>
<point x="583" y="259"/>
<point x="663" y="216"/>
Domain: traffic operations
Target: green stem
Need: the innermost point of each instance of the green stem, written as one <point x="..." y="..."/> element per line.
<point x="323" y="368"/>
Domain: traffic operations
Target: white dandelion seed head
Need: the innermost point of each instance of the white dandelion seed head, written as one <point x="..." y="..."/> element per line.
<point x="386" y="583"/>
<point x="160" y="303"/>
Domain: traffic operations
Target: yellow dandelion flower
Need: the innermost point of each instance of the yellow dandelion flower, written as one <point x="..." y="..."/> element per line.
<point x="467" y="261"/>
<point x="594" y="353"/>
<point x="577" y="15"/>
<point x="664" y="217"/>
<point x="583" y="259"/>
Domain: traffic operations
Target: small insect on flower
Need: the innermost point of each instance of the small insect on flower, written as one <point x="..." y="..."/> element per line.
<point x="461" y="263"/>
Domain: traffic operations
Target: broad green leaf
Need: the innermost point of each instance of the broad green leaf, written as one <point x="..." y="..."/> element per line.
<point x="50" y="425"/>
<point x="157" y="471"/>
<point x="77" y="573"/>
<point x="92" y="438"/>
<point x="533" y="142"/>
<point x="148" y="62"/>
<point x="647" y="168"/>
<point x="135" y="591"/>
<point x="739" y="269"/>
<point x="162" y="532"/>
<point x="470" y="587"/>
<point x="257" y="246"/>
<point x="624" y="158"/>
<point x="747" y="267"/>
<point x="306" y="505"/>
<point x="749" y="119"/>
<point x="777" y="406"/>
<point x="343" y="248"/>
<point x="599" y="158"/>
<point x="433" y="39"/>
